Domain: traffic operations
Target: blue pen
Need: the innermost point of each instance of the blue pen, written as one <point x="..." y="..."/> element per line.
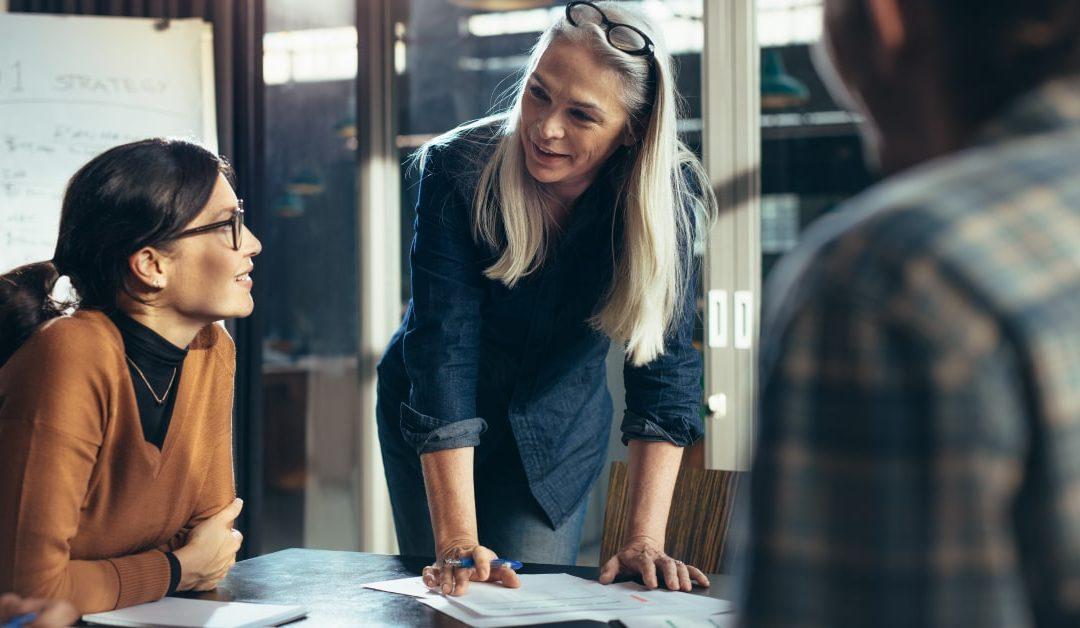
<point x="20" y="620"/>
<point x="498" y="562"/>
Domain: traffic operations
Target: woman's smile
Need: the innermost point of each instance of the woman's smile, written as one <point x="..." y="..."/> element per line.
<point x="244" y="278"/>
<point x="547" y="157"/>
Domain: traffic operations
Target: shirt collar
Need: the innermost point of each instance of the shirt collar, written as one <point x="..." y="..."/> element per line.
<point x="1051" y="107"/>
<point x="140" y="339"/>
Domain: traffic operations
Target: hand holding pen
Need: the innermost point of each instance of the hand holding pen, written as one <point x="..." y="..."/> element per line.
<point x="461" y="563"/>
<point x="498" y="562"/>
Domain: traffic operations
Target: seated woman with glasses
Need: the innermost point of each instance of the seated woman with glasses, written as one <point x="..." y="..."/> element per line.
<point x="116" y="473"/>
<point x="542" y="235"/>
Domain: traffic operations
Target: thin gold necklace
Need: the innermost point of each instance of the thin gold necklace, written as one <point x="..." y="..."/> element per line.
<point x="160" y="400"/>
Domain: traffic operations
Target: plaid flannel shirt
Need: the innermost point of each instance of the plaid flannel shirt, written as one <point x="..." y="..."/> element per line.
<point x="918" y="446"/>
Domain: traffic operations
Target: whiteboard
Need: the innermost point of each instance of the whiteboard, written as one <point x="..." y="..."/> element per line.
<point x="71" y="87"/>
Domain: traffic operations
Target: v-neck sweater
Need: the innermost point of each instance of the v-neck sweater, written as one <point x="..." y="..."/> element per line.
<point x="88" y="507"/>
<point x="155" y="364"/>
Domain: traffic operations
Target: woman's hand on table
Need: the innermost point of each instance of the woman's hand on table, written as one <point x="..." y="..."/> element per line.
<point x="644" y="555"/>
<point x="451" y="580"/>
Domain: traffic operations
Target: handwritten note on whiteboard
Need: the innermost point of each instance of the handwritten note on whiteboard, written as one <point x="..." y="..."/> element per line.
<point x="72" y="87"/>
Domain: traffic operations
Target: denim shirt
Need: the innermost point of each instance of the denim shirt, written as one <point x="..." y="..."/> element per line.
<point x="476" y="356"/>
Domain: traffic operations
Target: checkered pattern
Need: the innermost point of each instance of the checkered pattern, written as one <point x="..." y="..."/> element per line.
<point x="918" y="457"/>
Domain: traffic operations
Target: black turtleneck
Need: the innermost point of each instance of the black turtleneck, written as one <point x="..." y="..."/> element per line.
<point x="157" y="358"/>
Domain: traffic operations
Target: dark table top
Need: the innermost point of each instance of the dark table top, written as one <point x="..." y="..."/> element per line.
<point x="330" y="585"/>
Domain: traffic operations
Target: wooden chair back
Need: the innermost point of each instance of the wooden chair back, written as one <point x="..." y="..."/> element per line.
<point x="698" y="524"/>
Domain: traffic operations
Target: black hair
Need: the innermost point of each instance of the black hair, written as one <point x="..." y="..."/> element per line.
<point x="131" y="196"/>
<point x="1001" y="49"/>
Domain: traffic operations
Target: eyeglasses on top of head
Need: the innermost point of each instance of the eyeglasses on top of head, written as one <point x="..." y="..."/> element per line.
<point x="236" y="222"/>
<point x="621" y="36"/>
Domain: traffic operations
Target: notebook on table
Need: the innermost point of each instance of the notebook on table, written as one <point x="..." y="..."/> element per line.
<point x="183" y="612"/>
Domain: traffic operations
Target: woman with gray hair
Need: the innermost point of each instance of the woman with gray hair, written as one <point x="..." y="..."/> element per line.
<point x="542" y="234"/>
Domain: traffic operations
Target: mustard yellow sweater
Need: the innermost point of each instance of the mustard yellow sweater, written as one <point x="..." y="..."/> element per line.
<point x="87" y="506"/>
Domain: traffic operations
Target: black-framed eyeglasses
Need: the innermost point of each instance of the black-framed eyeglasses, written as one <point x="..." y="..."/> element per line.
<point x="236" y="222"/>
<point x="621" y="36"/>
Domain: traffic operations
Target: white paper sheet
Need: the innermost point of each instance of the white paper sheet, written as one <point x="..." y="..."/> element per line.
<point x="537" y="601"/>
<point x="727" y="620"/>
<point x="470" y="618"/>
<point x="413" y="587"/>
<point x="182" y="612"/>
<point x="543" y="593"/>
<point x="645" y="617"/>
<point x="671" y="601"/>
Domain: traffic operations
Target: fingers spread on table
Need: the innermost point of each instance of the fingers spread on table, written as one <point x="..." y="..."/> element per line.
<point x="461" y="580"/>
<point x="671" y="573"/>
<point x="685" y="583"/>
<point x="506" y="576"/>
<point x="648" y="572"/>
<point x="446" y="579"/>
<point x="698" y="576"/>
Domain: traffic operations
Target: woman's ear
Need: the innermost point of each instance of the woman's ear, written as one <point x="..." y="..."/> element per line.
<point x="889" y="21"/>
<point x="147" y="265"/>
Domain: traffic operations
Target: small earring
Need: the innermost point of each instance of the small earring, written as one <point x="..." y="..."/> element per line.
<point x="157" y="284"/>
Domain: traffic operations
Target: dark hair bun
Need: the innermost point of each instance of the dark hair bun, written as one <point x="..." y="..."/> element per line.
<point x="24" y="297"/>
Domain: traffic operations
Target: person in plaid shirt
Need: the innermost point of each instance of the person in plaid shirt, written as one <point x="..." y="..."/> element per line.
<point x="918" y="446"/>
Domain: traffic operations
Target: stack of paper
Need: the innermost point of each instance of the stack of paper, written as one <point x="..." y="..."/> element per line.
<point x="545" y="598"/>
<point x="726" y="620"/>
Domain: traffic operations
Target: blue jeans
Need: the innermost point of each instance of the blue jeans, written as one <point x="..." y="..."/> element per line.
<point x="509" y="519"/>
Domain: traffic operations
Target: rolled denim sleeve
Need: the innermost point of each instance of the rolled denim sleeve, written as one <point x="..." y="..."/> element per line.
<point x="663" y="397"/>
<point x="426" y="433"/>
<point x="442" y="332"/>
